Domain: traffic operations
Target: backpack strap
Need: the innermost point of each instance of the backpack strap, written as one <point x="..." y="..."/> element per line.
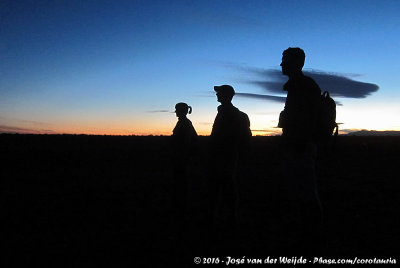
<point x="335" y="136"/>
<point x="337" y="129"/>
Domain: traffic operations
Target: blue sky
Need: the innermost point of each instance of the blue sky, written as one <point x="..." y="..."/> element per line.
<point x="119" y="67"/>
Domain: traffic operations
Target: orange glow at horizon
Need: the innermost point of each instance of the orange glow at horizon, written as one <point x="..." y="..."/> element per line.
<point x="160" y="124"/>
<point x="155" y="132"/>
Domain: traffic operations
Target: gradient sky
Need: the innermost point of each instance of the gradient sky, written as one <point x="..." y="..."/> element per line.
<point x="119" y="67"/>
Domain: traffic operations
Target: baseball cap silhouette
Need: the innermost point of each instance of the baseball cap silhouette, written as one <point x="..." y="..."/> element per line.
<point x="225" y="90"/>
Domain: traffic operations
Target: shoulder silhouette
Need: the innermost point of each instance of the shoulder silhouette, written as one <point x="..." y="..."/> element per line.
<point x="231" y="127"/>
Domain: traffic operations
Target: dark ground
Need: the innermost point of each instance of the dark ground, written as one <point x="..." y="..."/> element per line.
<point x="90" y="201"/>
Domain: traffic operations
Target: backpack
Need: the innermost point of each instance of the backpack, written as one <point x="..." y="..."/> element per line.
<point x="245" y="131"/>
<point x="327" y="119"/>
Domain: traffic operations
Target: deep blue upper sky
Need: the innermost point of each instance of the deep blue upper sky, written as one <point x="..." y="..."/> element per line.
<point x="115" y="67"/>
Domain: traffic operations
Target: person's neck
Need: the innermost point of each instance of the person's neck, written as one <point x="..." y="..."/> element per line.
<point x="296" y="75"/>
<point x="227" y="103"/>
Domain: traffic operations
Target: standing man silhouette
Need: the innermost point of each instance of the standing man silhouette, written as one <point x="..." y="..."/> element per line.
<point x="230" y="135"/>
<point x="300" y="207"/>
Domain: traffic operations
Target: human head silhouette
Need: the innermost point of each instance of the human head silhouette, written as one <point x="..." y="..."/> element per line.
<point x="224" y="93"/>
<point x="182" y="109"/>
<point x="292" y="61"/>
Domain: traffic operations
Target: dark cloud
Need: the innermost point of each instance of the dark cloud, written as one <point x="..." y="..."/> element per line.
<point x="338" y="85"/>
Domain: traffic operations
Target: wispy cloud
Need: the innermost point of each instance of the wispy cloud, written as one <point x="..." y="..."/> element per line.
<point x="36" y="123"/>
<point x="266" y="113"/>
<point x="13" y="129"/>
<point x="205" y="123"/>
<point x="261" y="96"/>
<point x="160" y="111"/>
<point x="23" y="122"/>
<point x="17" y="125"/>
<point x="366" y="132"/>
<point x="214" y="18"/>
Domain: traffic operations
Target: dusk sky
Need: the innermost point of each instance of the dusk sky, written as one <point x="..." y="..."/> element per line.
<point x="119" y="67"/>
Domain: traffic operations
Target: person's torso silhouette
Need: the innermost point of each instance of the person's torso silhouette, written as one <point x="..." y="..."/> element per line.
<point x="301" y="110"/>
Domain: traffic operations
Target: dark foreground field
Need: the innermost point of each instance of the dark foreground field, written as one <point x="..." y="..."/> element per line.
<point x="90" y="201"/>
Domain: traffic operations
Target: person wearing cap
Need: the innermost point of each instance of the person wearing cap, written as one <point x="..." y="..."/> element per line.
<point x="229" y="137"/>
<point x="300" y="199"/>
<point x="184" y="143"/>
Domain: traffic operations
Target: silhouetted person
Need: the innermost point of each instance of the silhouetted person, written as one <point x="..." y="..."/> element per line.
<point x="184" y="142"/>
<point x="301" y="209"/>
<point x="230" y="135"/>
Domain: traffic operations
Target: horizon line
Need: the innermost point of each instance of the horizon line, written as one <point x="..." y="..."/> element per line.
<point x="344" y="133"/>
